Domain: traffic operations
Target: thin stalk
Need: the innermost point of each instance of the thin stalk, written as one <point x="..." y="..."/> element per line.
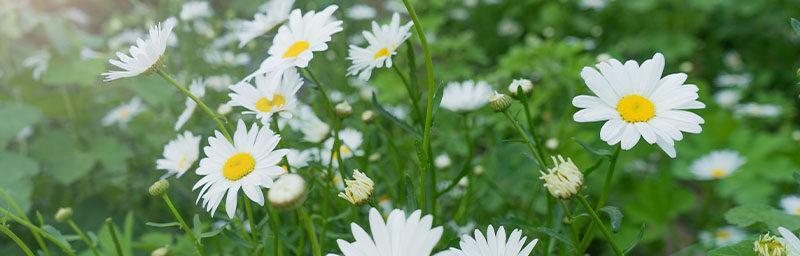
<point x="312" y="235"/>
<point x="15" y="207"/>
<point x="524" y="135"/>
<point x="38" y="230"/>
<point x="411" y="94"/>
<point x="603" y="229"/>
<point x="70" y="111"/>
<point x="532" y="129"/>
<point x="200" y="103"/>
<point x="273" y="223"/>
<point x="83" y="237"/>
<point x="114" y="237"/>
<point x="16" y="239"/>
<point x="249" y="211"/>
<point x="426" y="138"/>
<point x="603" y="196"/>
<point x="572" y="227"/>
<point x="465" y="171"/>
<point x="186" y="228"/>
<point x="329" y="105"/>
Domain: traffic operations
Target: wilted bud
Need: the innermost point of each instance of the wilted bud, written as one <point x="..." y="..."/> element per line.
<point x="478" y="170"/>
<point x="564" y="180"/>
<point x="768" y="245"/>
<point x="499" y="102"/>
<point x="162" y="251"/>
<point x="288" y="192"/>
<point x="524" y="84"/>
<point x="367" y="116"/>
<point x="63" y="214"/>
<point x="159" y="188"/>
<point x="359" y="189"/>
<point x="344" y="109"/>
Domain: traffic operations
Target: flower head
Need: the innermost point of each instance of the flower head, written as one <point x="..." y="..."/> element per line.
<point x="767" y="245"/>
<point x="288" y="192"/>
<point x="636" y="102"/>
<point x="524" y="84"/>
<point x="383" y="43"/>
<point x="277" y="11"/>
<point x="145" y="55"/>
<point x="465" y="96"/>
<point x="790" y="241"/>
<point x="124" y="113"/>
<point x="198" y="89"/>
<point x="351" y="140"/>
<point x="195" y="9"/>
<point x="717" y="164"/>
<point x="723" y="236"/>
<point x="359" y="189"/>
<point x="180" y="154"/>
<point x="493" y="244"/>
<point x="791" y="204"/>
<point x="564" y="180"/>
<point x="158" y="188"/>
<point x="499" y="102"/>
<point x="270" y="95"/>
<point x="248" y="162"/>
<point x="63" y="214"/>
<point x="397" y="236"/>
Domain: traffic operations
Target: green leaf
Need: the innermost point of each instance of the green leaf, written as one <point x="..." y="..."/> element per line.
<point x="61" y="157"/>
<point x="211" y="233"/>
<point x="111" y="153"/>
<point x="57" y="235"/>
<point x="743" y="248"/>
<point x="411" y="198"/>
<point x="593" y="168"/>
<point x="64" y="71"/>
<point x="796" y="26"/>
<point x="636" y="240"/>
<point x="163" y="225"/>
<point x="389" y="116"/>
<point x="593" y="150"/>
<point x="614" y="215"/>
<point x="796" y="176"/>
<point x="17" y="171"/>
<point x="16" y="117"/>
<point x="747" y="215"/>
<point x="197" y="226"/>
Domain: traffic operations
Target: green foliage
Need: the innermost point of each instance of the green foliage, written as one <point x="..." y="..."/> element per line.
<point x="747" y="215"/>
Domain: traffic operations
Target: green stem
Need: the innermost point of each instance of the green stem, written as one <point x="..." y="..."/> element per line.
<point x="274" y="224"/>
<point x="465" y="171"/>
<point x="532" y="129"/>
<point x="38" y="230"/>
<point x="19" y="211"/>
<point x="426" y="138"/>
<point x="603" y="229"/>
<point x="312" y="235"/>
<point x="411" y="94"/>
<point x="70" y="110"/>
<point x="249" y="211"/>
<point x="83" y="237"/>
<point x="186" y="228"/>
<point x="572" y="227"/>
<point x="114" y="237"/>
<point x="524" y="135"/>
<point x="609" y="177"/>
<point x="329" y="105"/>
<point x="200" y="103"/>
<point x="16" y="239"/>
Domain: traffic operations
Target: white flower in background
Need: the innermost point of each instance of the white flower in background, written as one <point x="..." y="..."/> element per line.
<point x="397" y="236"/>
<point x="288" y="192"/>
<point x="733" y="80"/>
<point x="717" y="164"/>
<point x="398" y="111"/>
<point x="225" y="108"/>
<point x="727" y="98"/>
<point x="593" y="4"/>
<point x="508" y="27"/>
<point x="732" y="59"/>
<point x="195" y="9"/>
<point x="385" y="203"/>
<point x="465" y="96"/>
<point x="76" y="15"/>
<point x="276" y="12"/>
<point x="516" y="84"/>
<point x="723" y="236"/>
<point x="459" y="13"/>
<point x="791" y="204"/>
<point x="358" y="190"/>
<point x="564" y="180"/>
<point x="442" y="161"/>
<point x="551" y="143"/>
<point x="461" y="230"/>
<point x="361" y="12"/>
<point x="124" y="38"/>
<point x="249" y="162"/>
<point x="89" y="54"/>
<point x="24" y="133"/>
<point x="225" y="58"/>
<point x="383" y="42"/>
<point x="38" y="62"/>
<point x="229" y="37"/>
<point x="179" y="154"/>
<point x="123" y="114"/>
<point x="493" y="244"/>
<point x="790" y="241"/>
<point x="270" y="95"/>
<point x="603" y="57"/>
<point x="202" y="27"/>
<point x="198" y="89"/>
<point x="145" y="55"/>
<point x="757" y="110"/>
<point x="218" y="83"/>
<point x="299" y="159"/>
<point x="298" y="39"/>
<point x="304" y="120"/>
<point x="636" y="102"/>
<point x="395" y="6"/>
<point x="350" y="146"/>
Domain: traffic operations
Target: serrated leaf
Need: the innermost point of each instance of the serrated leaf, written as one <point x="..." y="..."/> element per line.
<point x="60" y="156"/>
<point x="163" y="225"/>
<point x="743" y="248"/>
<point x="17" y="182"/>
<point x="16" y="117"/>
<point x="594" y="150"/>
<point x="111" y="153"/>
<point x="592" y="168"/>
<point x="747" y="215"/>
<point x="57" y="235"/>
<point x="615" y="217"/>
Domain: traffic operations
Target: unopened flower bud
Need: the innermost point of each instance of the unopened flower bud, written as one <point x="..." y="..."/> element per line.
<point x="564" y="180"/>
<point x="499" y="102"/>
<point x="767" y="245"/>
<point x="551" y="143"/>
<point x="442" y="161"/>
<point x="162" y="251"/>
<point x="344" y="109"/>
<point x="159" y="188"/>
<point x="524" y="84"/>
<point x="478" y="170"/>
<point x="63" y="214"/>
<point x="359" y="189"/>
<point x="288" y="192"/>
<point x="374" y="157"/>
<point x="367" y="116"/>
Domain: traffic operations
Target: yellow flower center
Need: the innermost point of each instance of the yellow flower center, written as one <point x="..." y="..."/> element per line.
<point x="265" y="105"/>
<point x="343" y="149"/>
<point x="634" y="108"/>
<point x="182" y="162"/>
<point x="797" y="211"/>
<point x="296" y="48"/>
<point x="718" y="173"/>
<point x="383" y="52"/>
<point x="238" y="166"/>
<point x="723" y="235"/>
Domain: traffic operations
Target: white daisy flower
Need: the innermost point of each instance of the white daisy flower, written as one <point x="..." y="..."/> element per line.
<point x="790" y="241"/>
<point x="460" y="230"/>
<point x="397" y="236"/>
<point x="383" y="42"/>
<point x="38" y="62"/>
<point x="466" y="96"/>
<point x="791" y="204"/>
<point x="195" y="9"/>
<point x="442" y="161"/>
<point x="218" y="83"/>
<point x="270" y="95"/>
<point x="717" y="165"/>
<point x="733" y="80"/>
<point x="358" y="190"/>
<point x="723" y="236"/>
<point x="727" y="98"/>
<point x="635" y="102"/>
<point x="277" y="11"/>
<point x="198" y="89"/>
<point x="298" y="39"/>
<point x="299" y="159"/>
<point x="757" y="110"/>
<point x="350" y="146"/>
<point x="179" y="154"/>
<point x="225" y="58"/>
<point x="304" y="120"/>
<point x="123" y="114"/>
<point x="494" y="244"/>
<point x="361" y="12"/>
<point x="249" y="162"/>
<point x="145" y="55"/>
<point x="509" y="27"/>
